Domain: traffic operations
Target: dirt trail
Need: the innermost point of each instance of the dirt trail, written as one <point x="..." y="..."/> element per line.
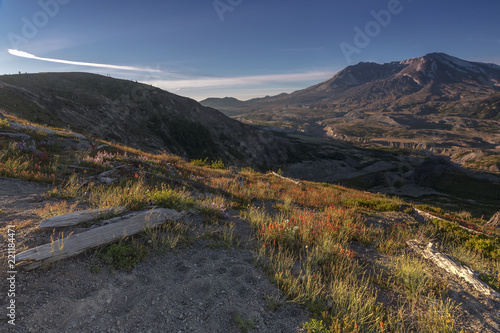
<point x="195" y="289"/>
<point x="19" y="199"/>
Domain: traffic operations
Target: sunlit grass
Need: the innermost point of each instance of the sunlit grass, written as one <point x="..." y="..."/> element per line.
<point x="337" y="292"/>
<point x="132" y="194"/>
<point x="23" y="161"/>
<point x="169" y="198"/>
<point x="56" y="208"/>
<point x="305" y="242"/>
<point x="489" y="269"/>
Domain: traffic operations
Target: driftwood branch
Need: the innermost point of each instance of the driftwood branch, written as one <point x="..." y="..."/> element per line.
<point x="296" y="182"/>
<point x="75" y="244"/>
<point x="451" y="266"/>
<point x="424" y="217"/>
<point x="83" y="216"/>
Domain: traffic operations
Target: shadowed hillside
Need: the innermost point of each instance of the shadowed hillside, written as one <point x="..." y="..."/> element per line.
<point x="137" y="115"/>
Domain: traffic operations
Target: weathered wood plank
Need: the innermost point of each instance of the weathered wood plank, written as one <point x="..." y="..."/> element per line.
<point x="75" y="244"/>
<point x="451" y="266"/>
<point x="82" y="216"/>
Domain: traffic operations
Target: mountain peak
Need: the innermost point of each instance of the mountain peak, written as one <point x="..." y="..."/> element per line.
<point x="434" y="78"/>
<point x="436" y="54"/>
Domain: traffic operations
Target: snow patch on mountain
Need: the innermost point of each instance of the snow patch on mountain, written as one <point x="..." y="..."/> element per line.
<point x="414" y="79"/>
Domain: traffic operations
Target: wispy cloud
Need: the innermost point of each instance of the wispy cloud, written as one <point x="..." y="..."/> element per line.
<point x="205" y="82"/>
<point x="23" y="54"/>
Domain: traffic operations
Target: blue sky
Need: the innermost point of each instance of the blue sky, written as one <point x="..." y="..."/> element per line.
<point x="239" y="48"/>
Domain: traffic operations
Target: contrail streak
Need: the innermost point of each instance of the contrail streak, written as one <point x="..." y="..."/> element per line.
<point x="23" y="54"/>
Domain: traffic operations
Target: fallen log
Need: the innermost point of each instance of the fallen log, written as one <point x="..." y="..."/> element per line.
<point x="451" y="266"/>
<point x="494" y="221"/>
<point x="422" y="216"/>
<point x="75" y="244"/>
<point x="296" y="182"/>
<point x="82" y="216"/>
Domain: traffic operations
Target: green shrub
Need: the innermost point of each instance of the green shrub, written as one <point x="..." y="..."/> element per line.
<point x="4" y="123"/>
<point x="376" y="204"/>
<point x="169" y="198"/>
<point x="489" y="247"/>
<point x="218" y="165"/>
<point x="248" y="170"/>
<point x="435" y="210"/>
<point x="315" y="326"/>
<point x="493" y="280"/>
<point x="409" y="211"/>
<point x="200" y="162"/>
<point x="122" y="256"/>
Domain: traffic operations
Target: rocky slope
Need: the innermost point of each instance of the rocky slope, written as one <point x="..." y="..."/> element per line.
<point x="435" y="77"/>
<point x="137" y="115"/>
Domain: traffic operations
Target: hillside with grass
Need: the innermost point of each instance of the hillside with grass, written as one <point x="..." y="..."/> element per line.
<point x="155" y="121"/>
<point x="137" y="115"/>
<point x="252" y="251"/>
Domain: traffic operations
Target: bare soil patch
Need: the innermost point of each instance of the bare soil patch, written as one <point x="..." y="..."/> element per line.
<point x="204" y="287"/>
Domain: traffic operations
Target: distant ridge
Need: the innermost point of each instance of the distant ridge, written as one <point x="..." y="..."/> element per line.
<point x="435" y="77"/>
<point x="222" y="102"/>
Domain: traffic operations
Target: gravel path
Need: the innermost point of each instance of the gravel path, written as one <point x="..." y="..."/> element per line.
<point x="194" y="290"/>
